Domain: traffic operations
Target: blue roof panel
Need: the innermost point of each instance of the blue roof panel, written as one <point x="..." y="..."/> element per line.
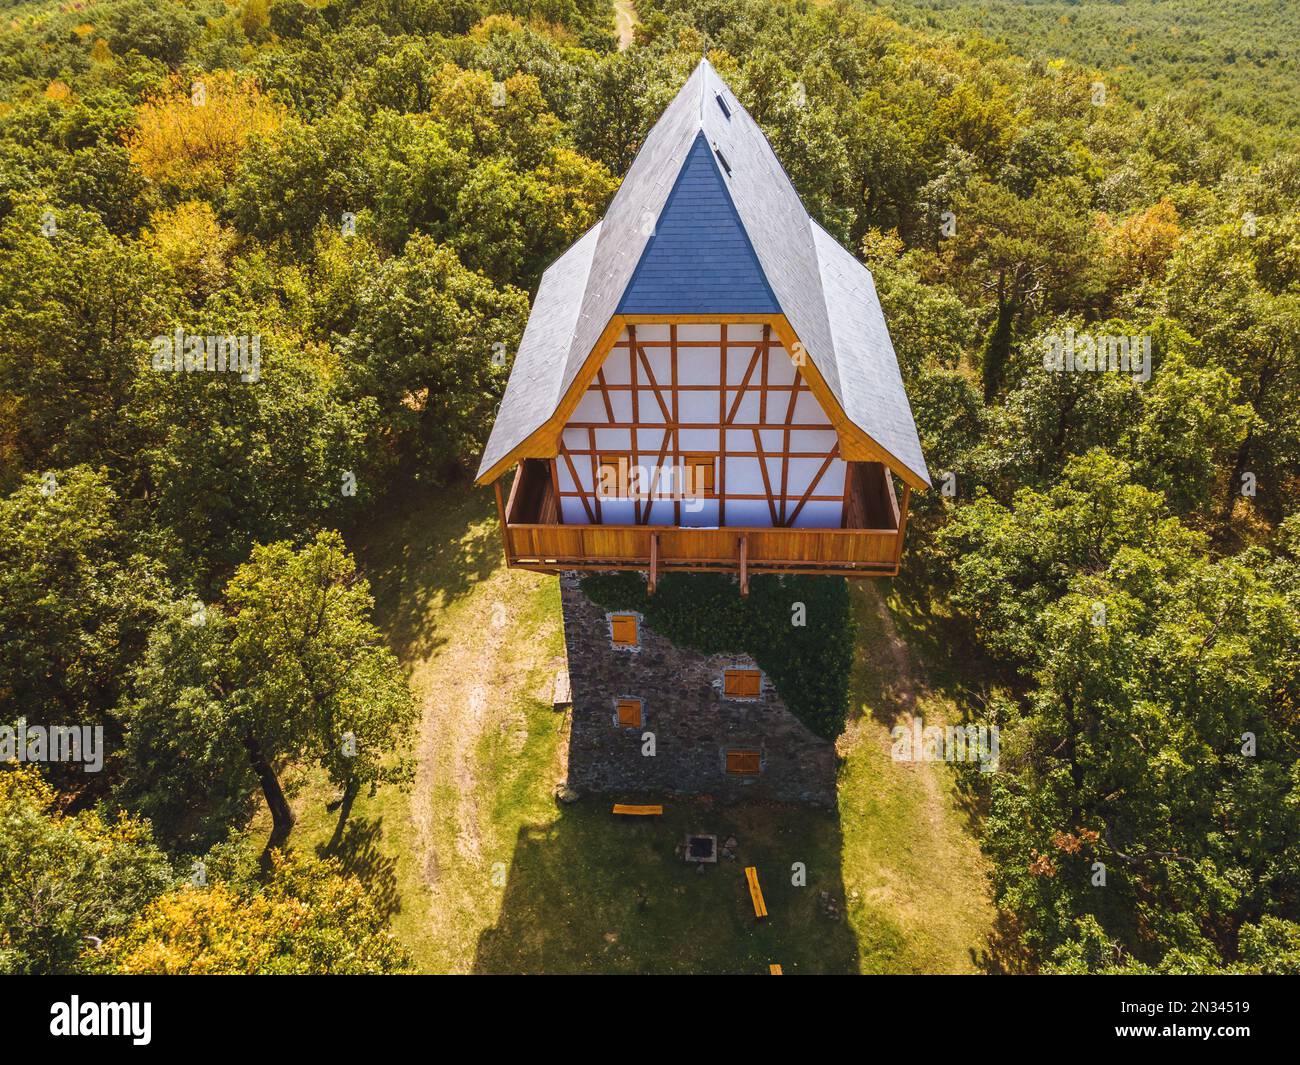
<point x="700" y="259"/>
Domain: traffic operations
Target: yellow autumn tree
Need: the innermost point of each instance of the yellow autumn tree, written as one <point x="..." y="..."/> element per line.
<point x="1142" y="243"/>
<point x="190" y="136"/>
<point x="190" y="240"/>
<point x="255" y="19"/>
<point x="310" y="918"/>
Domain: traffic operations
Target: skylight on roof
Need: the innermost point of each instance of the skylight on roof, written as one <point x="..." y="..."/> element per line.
<point x="722" y="159"/>
<point x="723" y="104"/>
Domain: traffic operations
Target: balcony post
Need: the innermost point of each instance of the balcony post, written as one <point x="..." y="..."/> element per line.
<point x="902" y="523"/>
<point x="501" y="515"/>
<point x="744" y="564"/>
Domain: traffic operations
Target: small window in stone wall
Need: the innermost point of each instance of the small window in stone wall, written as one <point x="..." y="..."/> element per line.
<point x="623" y="630"/>
<point x="744" y="762"/>
<point x="741" y="683"/>
<point x="629" y="713"/>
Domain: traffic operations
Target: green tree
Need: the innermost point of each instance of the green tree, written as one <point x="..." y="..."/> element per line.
<point x="290" y="670"/>
<point x="1157" y="744"/>
<point x="78" y="307"/>
<point x="164" y="33"/>
<point x="77" y="600"/>
<point x="67" y="883"/>
<point x="1023" y="254"/>
<point x="431" y="344"/>
<point x="232" y="461"/>
<point x="1219" y="289"/>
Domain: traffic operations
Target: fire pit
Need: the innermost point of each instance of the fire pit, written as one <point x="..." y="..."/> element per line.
<point x="701" y="848"/>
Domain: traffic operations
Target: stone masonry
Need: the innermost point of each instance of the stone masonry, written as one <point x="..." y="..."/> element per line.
<point x="692" y="722"/>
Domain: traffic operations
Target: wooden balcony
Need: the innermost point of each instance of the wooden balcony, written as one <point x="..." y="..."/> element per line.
<point x="868" y="545"/>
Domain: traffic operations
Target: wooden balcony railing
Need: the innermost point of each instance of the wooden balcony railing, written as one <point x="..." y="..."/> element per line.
<point x="535" y="539"/>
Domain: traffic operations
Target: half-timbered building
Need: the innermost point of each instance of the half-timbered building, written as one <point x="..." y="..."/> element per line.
<point x="706" y="381"/>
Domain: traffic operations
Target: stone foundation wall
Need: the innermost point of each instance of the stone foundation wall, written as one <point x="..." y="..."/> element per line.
<point x="692" y="721"/>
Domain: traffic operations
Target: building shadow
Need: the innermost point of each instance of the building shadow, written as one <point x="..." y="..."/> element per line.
<point x="594" y="893"/>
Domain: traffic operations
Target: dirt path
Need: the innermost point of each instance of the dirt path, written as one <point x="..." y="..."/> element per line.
<point x="625" y="22"/>
<point x="914" y="869"/>
<point x="468" y="688"/>
<point x="911" y="698"/>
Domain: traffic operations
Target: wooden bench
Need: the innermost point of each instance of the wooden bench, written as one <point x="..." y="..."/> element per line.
<point x="755" y="892"/>
<point x="774" y="970"/>
<point x="638" y="811"/>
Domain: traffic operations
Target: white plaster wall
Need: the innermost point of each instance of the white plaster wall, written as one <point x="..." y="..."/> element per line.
<point x="811" y="432"/>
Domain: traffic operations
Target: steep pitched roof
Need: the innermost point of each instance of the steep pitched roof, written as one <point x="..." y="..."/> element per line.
<point x="671" y="206"/>
<point x="700" y="257"/>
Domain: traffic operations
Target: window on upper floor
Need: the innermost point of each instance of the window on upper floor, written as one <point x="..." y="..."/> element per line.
<point x="623" y="630"/>
<point x="698" y="471"/>
<point x="629" y="713"/>
<point x="612" y="475"/>
<point x="741" y="683"/>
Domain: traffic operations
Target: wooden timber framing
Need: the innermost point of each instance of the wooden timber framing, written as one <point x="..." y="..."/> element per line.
<point x="641" y="386"/>
<point x="855" y="445"/>
<point x="866" y="496"/>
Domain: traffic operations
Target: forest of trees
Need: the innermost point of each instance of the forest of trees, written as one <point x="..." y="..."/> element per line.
<point x="342" y="209"/>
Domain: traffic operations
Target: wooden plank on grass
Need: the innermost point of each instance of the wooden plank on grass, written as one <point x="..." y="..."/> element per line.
<point x="638" y="811"/>
<point x="561" y="693"/>
<point x="755" y="892"/>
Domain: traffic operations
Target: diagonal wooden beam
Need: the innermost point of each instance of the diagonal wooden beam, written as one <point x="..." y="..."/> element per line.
<point x="826" y="465"/>
<point x="654" y="484"/>
<point x="753" y="362"/>
<point x="650" y="376"/>
<point x="573" y="472"/>
<point x="604" y="391"/>
<point x="767" y="484"/>
<point x="785" y="456"/>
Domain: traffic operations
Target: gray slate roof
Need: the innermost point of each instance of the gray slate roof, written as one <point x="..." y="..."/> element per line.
<point x="828" y="296"/>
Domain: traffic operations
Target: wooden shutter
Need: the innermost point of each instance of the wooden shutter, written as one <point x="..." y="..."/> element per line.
<point x="613" y="471"/>
<point x="741" y="683"/>
<point x="745" y="763"/>
<point x="699" y="475"/>
<point x="623" y="630"/>
<point x="629" y="713"/>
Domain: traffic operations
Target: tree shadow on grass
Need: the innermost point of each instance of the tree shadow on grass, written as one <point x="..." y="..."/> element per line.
<point x="955" y="664"/>
<point x="883" y="682"/>
<point x="359" y="850"/>
<point x="1004" y="955"/>
<point x="424" y="555"/>
<point x="592" y="893"/>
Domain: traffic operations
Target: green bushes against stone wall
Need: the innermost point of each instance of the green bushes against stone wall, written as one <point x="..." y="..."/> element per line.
<point x="798" y="629"/>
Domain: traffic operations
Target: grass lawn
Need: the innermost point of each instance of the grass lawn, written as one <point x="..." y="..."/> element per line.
<point x="483" y="872"/>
